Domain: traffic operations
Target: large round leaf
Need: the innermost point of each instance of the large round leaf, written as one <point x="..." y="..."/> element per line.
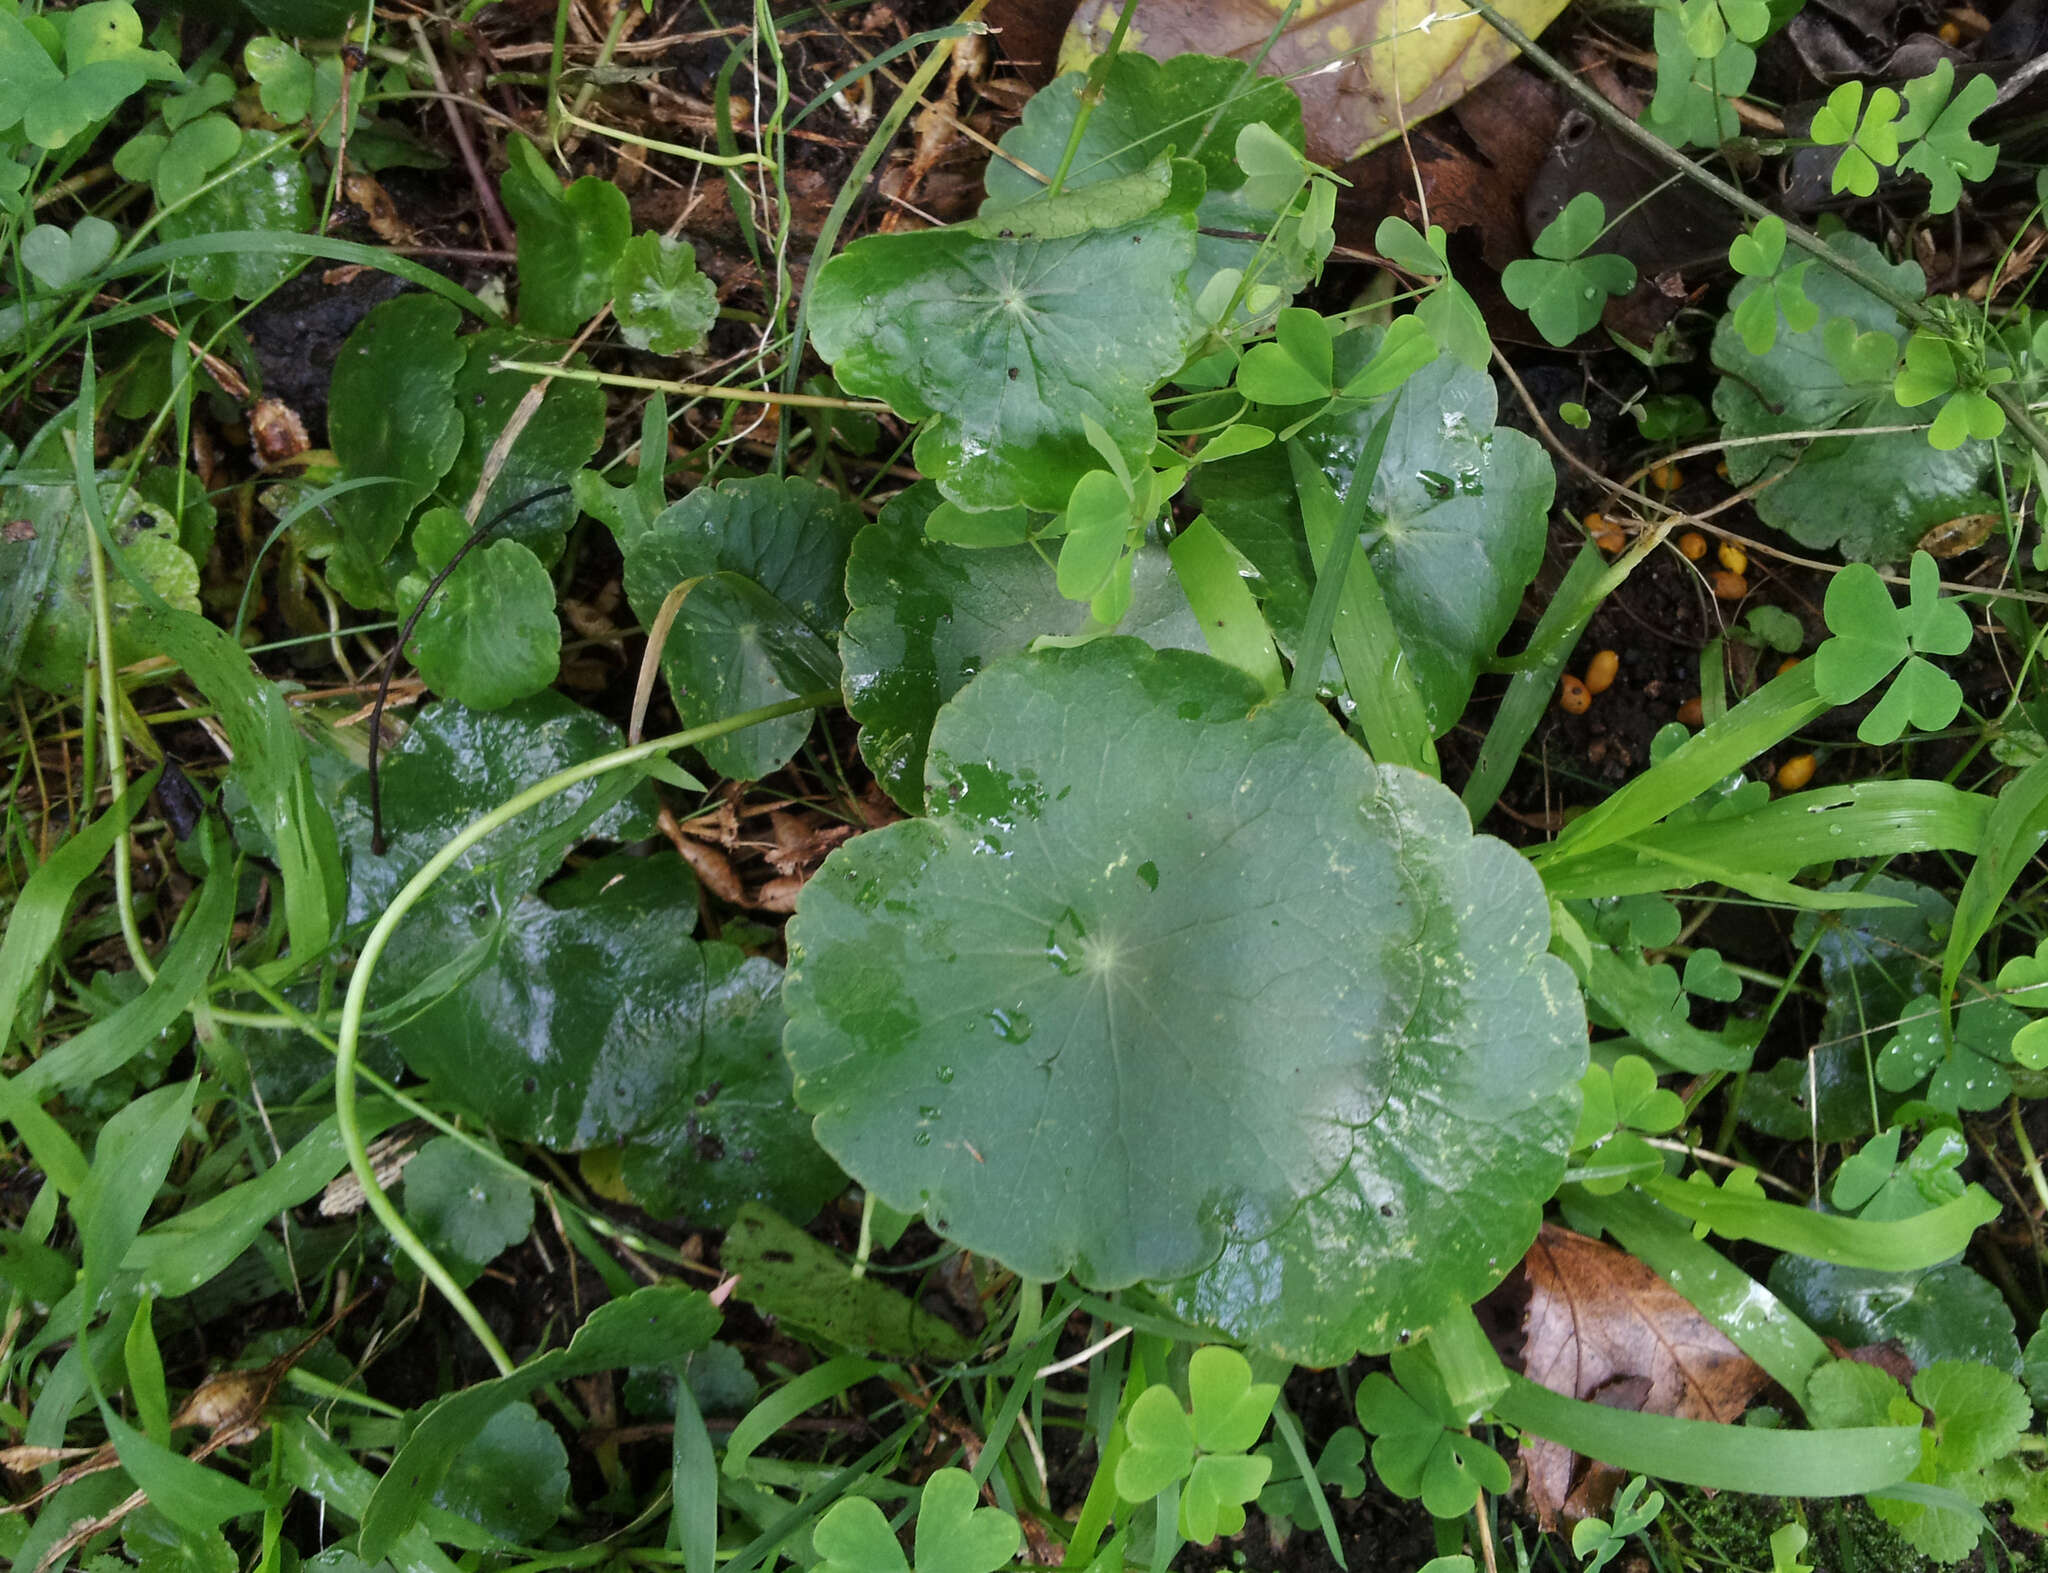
<point x="1447" y="1184"/>
<point x="1004" y="337"/>
<point x="1160" y="967"/>
<point x="1463" y="503"/>
<point x="927" y="616"/>
<point x="789" y="536"/>
<point x="271" y="194"/>
<point x="1870" y="497"/>
<point x="456" y="764"/>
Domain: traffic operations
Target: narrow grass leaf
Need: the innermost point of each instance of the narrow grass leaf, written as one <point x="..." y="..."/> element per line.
<point x="188" y="1250"/>
<point x="182" y="971"/>
<point x="1894" y="1245"/>
<point x="816" y="1386"/>
<point x="1728" y="1458"/>
<point x="1530" y="691"/>
<point x="1232" y="624"/>
<point x="145" y="1364"/>
<point x="2013" y="832"/>
<point x="693" y="1487"/>
<point x="1769" y="716"/>
<point x="130" y="1160"/>
<point x="37" y="921"/>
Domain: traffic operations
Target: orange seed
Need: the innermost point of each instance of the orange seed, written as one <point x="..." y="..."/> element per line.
<point x="1601" y="671"/>
<point x="1692" y="546"/>
<point x="1690" y="713"/>
<point x="1787" y="664"/>
<point x="1795" y="772"/>
<point x="1729" y="586"/>
<point x="1949" y="34"/>
<point x="1572" y="697"/>
<point x="1666" y="478"/>
<point x="1732" y="557"/>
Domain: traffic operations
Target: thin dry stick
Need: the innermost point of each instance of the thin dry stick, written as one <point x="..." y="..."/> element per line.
<point x="486" y="198"/>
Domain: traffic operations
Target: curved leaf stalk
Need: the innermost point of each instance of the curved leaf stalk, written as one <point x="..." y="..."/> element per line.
<point x="1911" y="312"/>
<point x="349" y="1035"/>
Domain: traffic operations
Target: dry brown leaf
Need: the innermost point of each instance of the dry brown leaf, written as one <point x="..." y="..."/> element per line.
<point x="1603" y="1327"/>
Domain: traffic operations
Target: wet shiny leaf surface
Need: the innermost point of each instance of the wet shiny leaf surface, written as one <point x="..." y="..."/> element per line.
<point x="1101" y="1011"/>
<point x="927" y="616"/>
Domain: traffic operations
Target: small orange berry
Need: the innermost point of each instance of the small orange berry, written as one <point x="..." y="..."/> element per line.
<point x="1729" y="586"/>
<point x="1601" y="671"/>
<point x="1949" y="34"/>
<point x="1572" y="697"/>
<point x="1721" y="469"/>
<point x="1787" y="664"/>
<point x="1732" y="557"/>
<point x="1665" y="478"/>
<point x="1594" y="523"/>
<point x="1610" y="540"/>
<point x="1795" y="772"/>
<point x="1692" y="546"/>
<point x="1690" y="713"/>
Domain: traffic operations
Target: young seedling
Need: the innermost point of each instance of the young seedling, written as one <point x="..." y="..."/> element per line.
<point x="1868" y="135"/>
<point x="1778" y="290"/>
<point x="1598" y="1541"/>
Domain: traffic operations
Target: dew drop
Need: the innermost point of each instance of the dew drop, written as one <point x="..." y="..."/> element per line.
<point x="945" y="1073"/>
<point x="921" y="1139"/>
<point x="1012" y="1026"/>
<point x="928" y="1111"/>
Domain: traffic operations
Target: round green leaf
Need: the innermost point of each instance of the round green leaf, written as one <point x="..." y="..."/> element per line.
<point x="1004" y="340"/>
<point x="569" y="241"/>
<point x="454" y="764"/>
<point x="560" y="439"/>
<point x="662" y="302"/>
<point x="511" y="1479"/>
<point x="927" y="616"/>
<point x="1152" y="975"/>
<point x="1944" y="1313"/>
<point x="489" y="636"/>
<point x="601" y="1023"/>
<point x="59" y="637"/>
<point x="60" y="258"/>
<point x="1193" y="105"/>
<point x="1871" y="497"/>
<point x="464" y="1205"/>
<point x="768" y="558"/>
<point x="391" y="414"/>
<point x="194" y="153"/>
<point x="270" y="194"/>
<point x="1465" y="505"/>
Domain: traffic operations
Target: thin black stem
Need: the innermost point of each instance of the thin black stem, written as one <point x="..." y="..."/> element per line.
<point x="390" y="662"/>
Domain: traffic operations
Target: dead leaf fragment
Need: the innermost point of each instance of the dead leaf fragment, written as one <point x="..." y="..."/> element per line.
<point x="1957" y="536"/>
<point x="1601" y="1326"/>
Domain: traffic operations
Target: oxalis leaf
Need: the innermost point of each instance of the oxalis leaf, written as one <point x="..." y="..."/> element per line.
<point x="1002" y="334"/>
<point x="1870" y="496"/>
<point x="1160" y="967"/>
<point x="1207" y="1445"/>
<point x="953" y="1534"/>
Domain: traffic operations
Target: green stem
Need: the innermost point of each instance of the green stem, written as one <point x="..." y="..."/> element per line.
<point x="1913" y="312"/>
<point x="1089" y="96"/>
<point x="347" y="1046"/>
<point x="117" y="773"/>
